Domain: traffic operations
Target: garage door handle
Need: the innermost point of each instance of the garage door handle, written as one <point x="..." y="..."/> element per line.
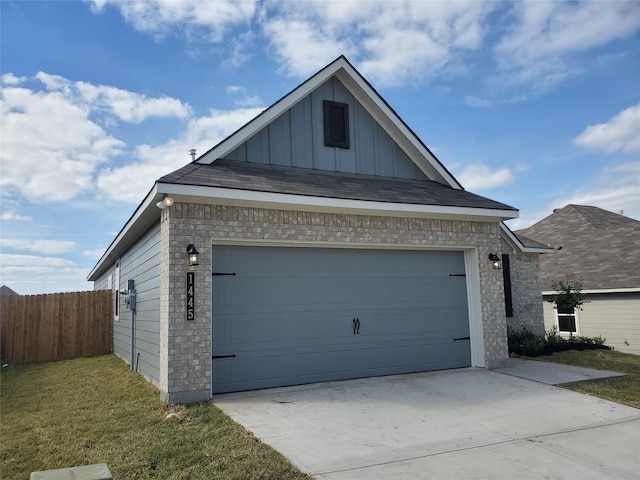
<point x="356" y="326"/>
<point x="461" y="338"/>
<point x="216" y="357"/>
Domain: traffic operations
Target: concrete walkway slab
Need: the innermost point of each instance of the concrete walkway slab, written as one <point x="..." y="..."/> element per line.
<point x="552" y="373"/>
<point x="467" y="423"/>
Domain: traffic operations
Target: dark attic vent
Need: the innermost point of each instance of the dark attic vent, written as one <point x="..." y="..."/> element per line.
<point x="336" y="124"/>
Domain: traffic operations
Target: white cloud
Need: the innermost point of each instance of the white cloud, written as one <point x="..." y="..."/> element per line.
<point x="95" y="254"/>
<point x="542" y="45"/>
<point x="621" y="133"/>
<point x="194" y="17"/>
<point x="392" y="42"/>
<point x="615" y="188"/>
<point x="125" y="105"/>
<point x="11" y="79"/>
<point x="47" y="247"/>
<point x="31" y="274"/>
<point x="40" y="157"/>
<point x="242" y="98"/>
<point x="478" y="177"/>
<point x="11" y="215"/>
<point x="52" y="143"/>
<point x="128" y="182"/>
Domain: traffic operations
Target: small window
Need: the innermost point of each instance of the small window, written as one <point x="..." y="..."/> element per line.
<point x="336" y="124"/>
<point x="567" y="321"/>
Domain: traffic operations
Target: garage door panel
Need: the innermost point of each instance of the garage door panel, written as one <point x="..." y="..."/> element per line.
<point x="287" y="315"/>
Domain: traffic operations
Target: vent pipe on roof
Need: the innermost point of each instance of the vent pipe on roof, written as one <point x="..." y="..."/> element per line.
<point x="192" y="152"/>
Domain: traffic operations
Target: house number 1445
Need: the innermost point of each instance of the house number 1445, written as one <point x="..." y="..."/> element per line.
<point x="191" y="297"/>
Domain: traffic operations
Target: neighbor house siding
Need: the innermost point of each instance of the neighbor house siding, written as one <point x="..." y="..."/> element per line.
<point x="141" y="263"/>
<point x="614" y="316"/>
<point x="296" y="139"/>
<point x="186" y="346"/>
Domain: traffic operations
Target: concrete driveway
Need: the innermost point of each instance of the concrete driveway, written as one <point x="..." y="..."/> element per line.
<point x="467" y="423"/>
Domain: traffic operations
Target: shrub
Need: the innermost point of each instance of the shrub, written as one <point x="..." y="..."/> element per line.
<point x="525" y="343"/>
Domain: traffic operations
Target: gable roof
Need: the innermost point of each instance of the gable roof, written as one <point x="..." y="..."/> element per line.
<point x="371" y="100"/>
<point x="215" y="180"/>
<point x="600" y="247"/>
<point x="4" y="290"/>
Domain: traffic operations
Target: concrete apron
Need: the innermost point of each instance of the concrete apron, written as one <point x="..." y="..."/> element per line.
<point x="467" y="423"/>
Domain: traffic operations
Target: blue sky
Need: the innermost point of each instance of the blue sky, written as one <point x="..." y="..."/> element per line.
<point x="534" y="104"/>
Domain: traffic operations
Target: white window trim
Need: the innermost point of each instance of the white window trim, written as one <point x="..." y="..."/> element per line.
<point x="568" y="334"/>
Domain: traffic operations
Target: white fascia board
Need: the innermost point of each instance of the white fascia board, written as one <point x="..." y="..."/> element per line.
<point x="602" y="290"/>
<point x="515" y="241"/>
<point x="147" y="209"/>
<point x="199" y="194"/>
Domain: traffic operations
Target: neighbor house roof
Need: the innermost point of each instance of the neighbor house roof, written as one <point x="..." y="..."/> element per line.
<point x="232" y="174"/>
<point x="599" y="247"/>
<point x="4" y="290"/>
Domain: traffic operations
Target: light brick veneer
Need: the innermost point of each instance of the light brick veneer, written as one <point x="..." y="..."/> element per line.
<point x="185" y="350"/>
<point x="526" y="291"/>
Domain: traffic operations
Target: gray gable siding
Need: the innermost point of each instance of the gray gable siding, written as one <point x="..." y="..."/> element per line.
<point x="296" y="139"/>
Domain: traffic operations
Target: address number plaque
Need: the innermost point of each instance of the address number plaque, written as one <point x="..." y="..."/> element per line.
<point x="191" y="296"/>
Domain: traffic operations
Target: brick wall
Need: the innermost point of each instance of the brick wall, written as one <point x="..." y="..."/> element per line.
<point x="526" y="291"/>
<point x="185" y="374"/>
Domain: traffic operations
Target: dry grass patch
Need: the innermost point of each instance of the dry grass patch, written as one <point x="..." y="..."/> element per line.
<point x="96" y="410"/>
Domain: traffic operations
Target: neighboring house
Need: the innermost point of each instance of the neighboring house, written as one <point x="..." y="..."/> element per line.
<point x="4" y="290"/>
<point x="332" y="245"/>
<point x="602" y="249"/>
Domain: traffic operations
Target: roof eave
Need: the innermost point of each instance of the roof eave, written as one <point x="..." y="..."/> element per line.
<point x="515" y="242"/>
<point x="142" y="218"/>
<point x="206" y="194"/>
<point x="147" y="213"/>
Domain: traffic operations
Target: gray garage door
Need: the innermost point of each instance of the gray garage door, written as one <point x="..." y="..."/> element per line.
<point x="301" y="315"/>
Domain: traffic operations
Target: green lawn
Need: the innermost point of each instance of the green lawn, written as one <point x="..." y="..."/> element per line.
<point x="96" y="410"/>
<point x="624" y="390"/>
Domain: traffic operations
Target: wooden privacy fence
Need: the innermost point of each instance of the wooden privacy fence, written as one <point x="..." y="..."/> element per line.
<point x="58" y="326"/>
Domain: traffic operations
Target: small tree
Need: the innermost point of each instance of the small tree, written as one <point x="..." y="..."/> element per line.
<point x="568" y="293"/>
<point x="568" y="296"/>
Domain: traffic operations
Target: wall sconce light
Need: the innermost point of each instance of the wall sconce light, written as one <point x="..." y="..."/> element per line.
<point x="192" y="255"/>
<point x="495" y="260"/>
<point x="166" y="201"/>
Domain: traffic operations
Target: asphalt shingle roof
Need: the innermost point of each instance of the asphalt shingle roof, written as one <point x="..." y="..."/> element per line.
<point x="239" y="175"/>
<point x="600" y="247"/>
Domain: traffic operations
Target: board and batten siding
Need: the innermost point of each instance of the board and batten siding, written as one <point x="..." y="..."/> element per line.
<point x="614" y="316"/>
<point x="296" y="139"/>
